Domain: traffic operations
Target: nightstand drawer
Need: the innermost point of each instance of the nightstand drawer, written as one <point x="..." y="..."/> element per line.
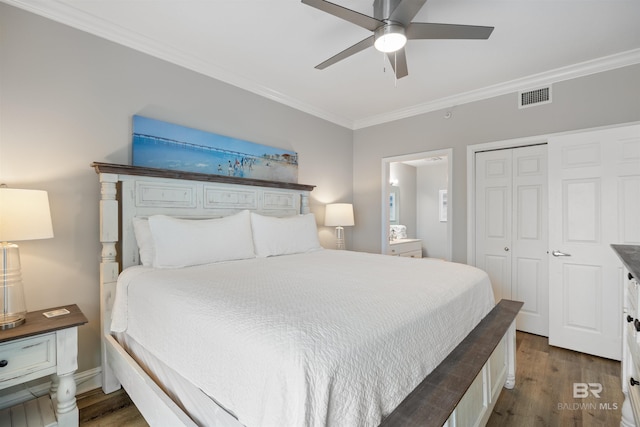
<point x="26" y="356"/>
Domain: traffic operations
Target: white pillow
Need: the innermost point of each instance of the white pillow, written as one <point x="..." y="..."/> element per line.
<point x="281" y="236"/>
<point x="185" y="242"/>
<point x="144" y="239"/>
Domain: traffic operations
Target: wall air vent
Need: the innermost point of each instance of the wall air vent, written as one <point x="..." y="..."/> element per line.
<point x="533" y="97"/>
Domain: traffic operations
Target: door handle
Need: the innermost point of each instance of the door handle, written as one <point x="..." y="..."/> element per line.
<point x="558" y="253"/>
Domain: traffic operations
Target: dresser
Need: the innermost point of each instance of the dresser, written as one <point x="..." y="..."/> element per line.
<point x="45" y="345"/>
<point x="406" y="247"/>
<point x="630" y="374"/>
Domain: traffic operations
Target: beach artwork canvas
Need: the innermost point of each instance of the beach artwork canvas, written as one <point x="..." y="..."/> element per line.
<point x="162" y="145"/>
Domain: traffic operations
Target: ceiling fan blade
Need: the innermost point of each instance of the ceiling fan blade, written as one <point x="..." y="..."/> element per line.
<point x="406" y="11"/>
<point x="352" y="16"/>
<point x="398" y="61"/>
<point x="419" y="30"/>
<point x="362" y="45"/>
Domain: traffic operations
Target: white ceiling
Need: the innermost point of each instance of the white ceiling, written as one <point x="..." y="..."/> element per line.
<point x="270" y="47"/>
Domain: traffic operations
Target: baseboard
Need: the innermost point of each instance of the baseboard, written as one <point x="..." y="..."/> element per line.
<point x="88" y="380"/>
<point x="85" y="381"/>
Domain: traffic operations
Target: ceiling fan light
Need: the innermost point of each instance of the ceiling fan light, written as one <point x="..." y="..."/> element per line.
<point x="390" y="38"/>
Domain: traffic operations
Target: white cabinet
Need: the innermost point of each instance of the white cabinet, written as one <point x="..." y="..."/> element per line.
<point x="406" y="247"/>
<point x="42" y="346"/>
<point x="631" y="352"/>
<point x="630" y="373"/>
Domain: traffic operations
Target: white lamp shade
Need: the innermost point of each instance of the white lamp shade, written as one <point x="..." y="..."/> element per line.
<point x="24" y="215"/>
<point x="339" y="215"/>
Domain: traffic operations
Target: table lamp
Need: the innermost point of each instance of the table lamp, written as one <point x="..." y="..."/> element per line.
<point x="339" y="215"/>
<point x="24" y="215"/>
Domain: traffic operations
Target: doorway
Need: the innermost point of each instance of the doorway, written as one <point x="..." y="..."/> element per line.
<point x="511" y="229"/>
<point x="416" y="195"/>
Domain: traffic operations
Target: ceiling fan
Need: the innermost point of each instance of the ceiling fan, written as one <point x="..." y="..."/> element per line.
<point x="392" y="27"/>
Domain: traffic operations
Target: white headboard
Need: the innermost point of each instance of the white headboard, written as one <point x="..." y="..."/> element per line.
<point x="141" y="192"/>
<point x="129" y="191"/>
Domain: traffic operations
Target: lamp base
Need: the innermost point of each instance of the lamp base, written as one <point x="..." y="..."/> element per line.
<point x="12" y="307"/>
<point x="11" y="322"/>
<point x="340" y="238"/>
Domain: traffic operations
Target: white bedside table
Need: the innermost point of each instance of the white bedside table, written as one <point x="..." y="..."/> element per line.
<point x="42" y="346"/>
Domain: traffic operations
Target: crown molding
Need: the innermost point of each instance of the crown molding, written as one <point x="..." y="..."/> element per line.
<point x="581" y="69"/>
<point x="68" y="15"/>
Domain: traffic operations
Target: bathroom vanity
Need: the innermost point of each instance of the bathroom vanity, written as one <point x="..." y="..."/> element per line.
<point x="406" y="247"/>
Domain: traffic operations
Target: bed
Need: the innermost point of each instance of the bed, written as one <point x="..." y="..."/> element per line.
<point x="297" y="335"/>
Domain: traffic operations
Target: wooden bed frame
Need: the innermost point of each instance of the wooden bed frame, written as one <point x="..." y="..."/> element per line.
<point x="461" y="391"/>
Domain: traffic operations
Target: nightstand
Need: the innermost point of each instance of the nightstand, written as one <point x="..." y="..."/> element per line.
<point x="42" y="346"/>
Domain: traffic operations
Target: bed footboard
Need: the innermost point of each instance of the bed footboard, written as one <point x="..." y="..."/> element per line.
<point x="463" y="389"/>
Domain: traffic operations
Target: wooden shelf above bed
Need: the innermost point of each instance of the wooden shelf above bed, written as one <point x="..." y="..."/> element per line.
<point x="193" y="176"/>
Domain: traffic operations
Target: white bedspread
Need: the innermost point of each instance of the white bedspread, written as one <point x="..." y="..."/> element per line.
<point x="327" y="338"/>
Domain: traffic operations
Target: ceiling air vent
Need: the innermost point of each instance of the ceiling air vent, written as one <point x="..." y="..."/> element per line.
<point x="533" y="97"/>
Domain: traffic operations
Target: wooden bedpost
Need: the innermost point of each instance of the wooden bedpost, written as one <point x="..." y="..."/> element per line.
<point x="108" y="269"/>
<point x="304" y="203"/>
<point x="510" y="382"/>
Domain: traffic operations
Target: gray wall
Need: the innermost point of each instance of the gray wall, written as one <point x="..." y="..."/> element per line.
<point x="66" y="99"/>
<point x="431" y="179"/>
<point x="607" y="98"/>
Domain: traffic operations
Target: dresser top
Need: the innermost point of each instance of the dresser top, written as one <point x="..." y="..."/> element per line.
<point x="630" y="256"/>
<point x="37" y="323"/>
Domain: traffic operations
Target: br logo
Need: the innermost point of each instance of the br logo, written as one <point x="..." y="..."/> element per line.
<point x="582" y="390"/>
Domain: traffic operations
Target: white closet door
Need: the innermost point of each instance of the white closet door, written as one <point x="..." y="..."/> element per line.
<point x="594" y="200"/>
<point x="494" y="190"/>
<point x="511" y="229"/>
<point x="530" y="262"/>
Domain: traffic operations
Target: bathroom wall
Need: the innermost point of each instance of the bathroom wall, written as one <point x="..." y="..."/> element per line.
<point x="431" y="179"/>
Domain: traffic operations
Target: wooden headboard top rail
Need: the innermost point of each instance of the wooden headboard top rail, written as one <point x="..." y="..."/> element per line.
<point x="193" y="176"/>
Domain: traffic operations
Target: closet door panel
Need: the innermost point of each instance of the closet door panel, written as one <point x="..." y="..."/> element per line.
<point x="511" y="229"/>
<point x="527" y="279"/>
<point x="530" y="260"/>
<point x="594" y="202"/>
<point x="493" y="219"/>
<point x="629" y="190"/>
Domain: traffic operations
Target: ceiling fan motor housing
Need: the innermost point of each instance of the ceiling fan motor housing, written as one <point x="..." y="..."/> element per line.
<point x="390" y="37"/>
<point x="382" y="9"/>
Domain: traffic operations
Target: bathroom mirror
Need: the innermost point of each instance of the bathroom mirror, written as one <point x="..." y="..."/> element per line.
<point x="394" y="206"/>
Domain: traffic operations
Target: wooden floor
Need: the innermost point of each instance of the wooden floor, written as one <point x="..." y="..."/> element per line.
<point x="113" y="410"/>
<point x="543" y="395"/>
